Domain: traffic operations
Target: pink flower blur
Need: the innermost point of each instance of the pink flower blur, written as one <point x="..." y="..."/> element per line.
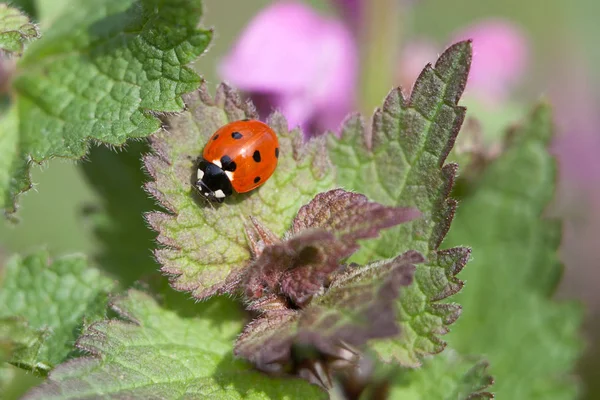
<point x="500" y="53"/>
<point x="295" y="60"/>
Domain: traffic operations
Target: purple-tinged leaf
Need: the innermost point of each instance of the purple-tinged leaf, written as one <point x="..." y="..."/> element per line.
<point x="313" y="251"/>
<point x="350" y="215"/>
<point x="259" y="236"/>
<point x="358" y="306"/>
<point x="266" y="342"/>
<point x="324" y="233"/>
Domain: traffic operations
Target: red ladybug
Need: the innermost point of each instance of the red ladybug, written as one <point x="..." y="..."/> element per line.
<point x="239" y="156"/>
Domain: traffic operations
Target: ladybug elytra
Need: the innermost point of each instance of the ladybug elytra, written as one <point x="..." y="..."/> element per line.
<point x="240" y="157"/>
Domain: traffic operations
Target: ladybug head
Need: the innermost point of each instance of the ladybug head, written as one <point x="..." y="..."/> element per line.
<point x="212" y="182"/>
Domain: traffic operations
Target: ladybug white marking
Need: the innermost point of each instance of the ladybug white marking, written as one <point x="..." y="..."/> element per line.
<point x="200" y="174"/>
<point x="218" y="163"/>
<point x="219" y="194"/>
<point x="229" y="175"/>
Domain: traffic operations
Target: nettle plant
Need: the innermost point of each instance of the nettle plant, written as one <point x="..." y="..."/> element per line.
<point x="337" y="277"/>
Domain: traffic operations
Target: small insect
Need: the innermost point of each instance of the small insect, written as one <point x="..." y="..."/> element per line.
<point x="240" y="157"/>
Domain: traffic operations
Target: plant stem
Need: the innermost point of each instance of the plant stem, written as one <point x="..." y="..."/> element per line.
<point x="380" y="36"/>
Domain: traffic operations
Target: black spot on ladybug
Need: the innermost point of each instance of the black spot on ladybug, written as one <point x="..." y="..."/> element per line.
<point x="256" y="156"/>
<point x="257" y="179"/>
<point x="276" y="152"/>
<point x="246" y="119"/>
<point x="236" y="135"/>
<point x="228" y="164"/>
<point x="215" y="137"/>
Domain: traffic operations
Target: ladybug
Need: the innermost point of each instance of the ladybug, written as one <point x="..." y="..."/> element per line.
<point x="239" y="156"/>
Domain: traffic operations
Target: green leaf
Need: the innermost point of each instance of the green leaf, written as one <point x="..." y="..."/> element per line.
<point x="156" y="353"/>
<point x="48" y="11"/>
<point x="97" y="74"/>
<point x="18" y="341"/>
<point x="15" y="382"/>
<point x="50" y="302"/>
<point x="21" y="343"/>
<point x="445" y="376"/>
<point x="15" y="30"/>
<point x="493" y="120"/>
<point x="530" y="340"/>
<point x="29" y="7"/>
<point x="118" y="178"/>
<point x="400" y="161"/>
<point x="205" y="244"/>
<point x="14" y="174"/>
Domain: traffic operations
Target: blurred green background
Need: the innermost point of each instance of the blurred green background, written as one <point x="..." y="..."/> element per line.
<point x="563" y="37"/>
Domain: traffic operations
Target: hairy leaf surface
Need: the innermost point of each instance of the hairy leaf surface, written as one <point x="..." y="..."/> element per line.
<point x="15" y="30"/>
<point x="445" y="376"/>
<point x="399" y="160"/>
<point x="49" y="302"/>
<point x="205" y="245"/>
<point x="97" y="74"/>
<point x="153" y="352"/>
